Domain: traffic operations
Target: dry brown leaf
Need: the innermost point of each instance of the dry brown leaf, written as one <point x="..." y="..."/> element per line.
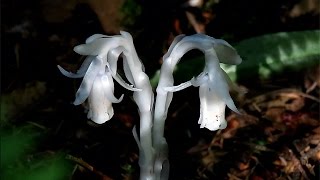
<point x="312" y="79"/>
<point x="288" y="99"/>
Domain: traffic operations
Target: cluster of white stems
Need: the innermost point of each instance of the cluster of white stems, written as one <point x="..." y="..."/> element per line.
<point x="100" y="68"/>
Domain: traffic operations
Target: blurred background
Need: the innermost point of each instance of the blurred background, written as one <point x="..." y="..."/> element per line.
<point x="277" y="136"/>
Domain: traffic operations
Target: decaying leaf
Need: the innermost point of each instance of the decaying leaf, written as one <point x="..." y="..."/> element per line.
<point x="312" y="79"/>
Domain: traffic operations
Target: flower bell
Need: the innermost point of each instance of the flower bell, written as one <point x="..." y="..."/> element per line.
<point x="100" y="106"/>
<point x="98" y="71"/>
<point x="213" y="82"/>
<point x="212" y="110"/>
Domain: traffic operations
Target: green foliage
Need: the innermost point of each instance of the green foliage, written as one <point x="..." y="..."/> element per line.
<point x="130" y="11"/>
<point x="19" y="160"/>
<point x="263" y="56"/>
<point x="270" y="54"/>
<point x="15" y="144"/>
<point x="128" y="168"/>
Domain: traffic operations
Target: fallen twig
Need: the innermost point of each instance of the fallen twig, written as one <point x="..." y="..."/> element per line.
<point x="88" y="167"/>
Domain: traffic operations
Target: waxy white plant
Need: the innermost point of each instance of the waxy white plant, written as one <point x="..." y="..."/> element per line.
<point x="100" y="68"/>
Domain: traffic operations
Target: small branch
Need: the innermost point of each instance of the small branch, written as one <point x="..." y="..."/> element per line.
<point x="298" y="165"/>
<point x="198" y="27"/>
<point x="88" y="167"/>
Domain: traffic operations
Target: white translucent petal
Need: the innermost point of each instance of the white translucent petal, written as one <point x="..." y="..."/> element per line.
<point x="232" y="85"/>
<point x="70" y="74"/>
<point x="100" y="108"/>
<point x="98" y="46"/>
<point x="81" y="72"/>
<point x="212" y="110"/>
<point x="108" y="87"/>
<point x="96" y="36"/>
<point x="226" y="53"/>
<point x="220" y="86"/>
<point x="113" y="57"/>
<point x="127" y="71"/>
<point x="85" y="65"/>
<point x="119" y="79"/>
<point x="178" y="87"/>
<point x="87" y="82"/>
<point x="217" y="81"/>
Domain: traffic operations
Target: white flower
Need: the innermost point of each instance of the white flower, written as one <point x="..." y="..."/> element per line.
<point x="212" y="110"/>
<point x="98" y="71"/>
<point x="213" y="81"/>
<point x="101" y="98"/>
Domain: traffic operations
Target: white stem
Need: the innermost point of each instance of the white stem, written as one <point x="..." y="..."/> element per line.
<point x="180" y="46"/>
<point x="162" y="103"/>
<point x="146" y="159"/>
<point x="144" y="100"/>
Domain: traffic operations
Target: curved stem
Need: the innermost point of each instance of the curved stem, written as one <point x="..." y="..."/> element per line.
<point x="180" y="46"/>
<point x="144" y="100"/>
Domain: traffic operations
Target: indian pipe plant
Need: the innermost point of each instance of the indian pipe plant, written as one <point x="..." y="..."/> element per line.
<point x="100" y="68"/>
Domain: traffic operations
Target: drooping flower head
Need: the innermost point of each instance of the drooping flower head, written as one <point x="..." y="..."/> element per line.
<point x="213" y="81"/>
<point x="98" y="71"/>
